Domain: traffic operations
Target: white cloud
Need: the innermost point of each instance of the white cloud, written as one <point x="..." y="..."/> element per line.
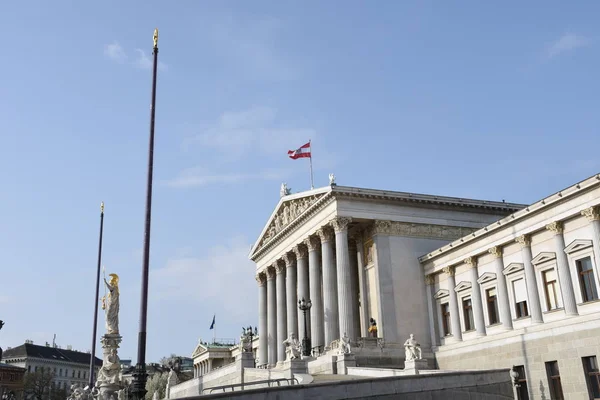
<point x="144" y="62"/>
<point x="567" y="42"/>
<point x="115" y="52"/>
<point x="199" y="176"/>
<point x="223" y="280"/>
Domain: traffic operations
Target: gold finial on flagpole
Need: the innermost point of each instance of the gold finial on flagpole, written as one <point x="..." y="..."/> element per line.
<point x="156" y="37"/>
<point x="102" y="208"/>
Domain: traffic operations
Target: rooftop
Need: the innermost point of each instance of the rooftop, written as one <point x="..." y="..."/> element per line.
<point x="49" y="353"/>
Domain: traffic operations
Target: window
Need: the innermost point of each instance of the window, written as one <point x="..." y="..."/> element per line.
<point x="73" y="376"/>
<point x="446" y="319"/>
<point x="520" y="291"/>
<point x="554" y="380"/>
<point x="522" y="391"/>
<point x="586" y="279"/>
<point x="550" y="291"/>
<point x="79" y="374"/>
<point x="83" y="374"/>
<point x="492" y="305"/>
<point x="60" y="372"/>
<point x="29" y="368"/>
<point x="468" y="314"/>
<point x="590" y="366"/>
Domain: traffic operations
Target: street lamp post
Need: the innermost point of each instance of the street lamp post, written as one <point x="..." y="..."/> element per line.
<point x="304" y="306"/>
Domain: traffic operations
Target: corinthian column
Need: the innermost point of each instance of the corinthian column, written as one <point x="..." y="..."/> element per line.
<point x="354" y="291"/>
<point x="344" y="278"/>
<point x="501" y="288"/>
<point x="476" y="297"/>
<point x="330" y="298"/>
<point x="593" y="215"/>
<point x="281" y="311"/>
<point x="263" y="337"/>
<point x="316" y="297"/>
<point x="562" y="266"/>
<point x="303" y="291"/>
<point x="291" y="294"/>
<point x="272" y="316"/>
<point x="430" y="283"/>
<point x="530" y="280"/>
<point x="454" y="316"/>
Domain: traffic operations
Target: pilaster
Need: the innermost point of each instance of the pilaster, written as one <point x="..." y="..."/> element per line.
<point x="533" y="296"/>
<point x="471" y="262"/>
<point x="562" y="266"/>
<point x="593" y="216"/>
<point x="454" y="310"/>
<point x="501" y="288"/>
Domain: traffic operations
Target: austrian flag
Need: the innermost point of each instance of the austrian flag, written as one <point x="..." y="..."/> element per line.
<point x="302" y="152"/>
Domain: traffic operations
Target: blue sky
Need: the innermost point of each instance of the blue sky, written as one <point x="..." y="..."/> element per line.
<point x="494" y="101"/>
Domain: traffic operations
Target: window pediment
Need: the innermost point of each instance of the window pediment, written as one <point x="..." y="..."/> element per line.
<point x="577" y="245"/>
<point x="487" y="277"/>
<point x="464" y="285"/>
<point x="543" y="257"/>
<point x="440" y="294"/>
<point x="512" y="268"/>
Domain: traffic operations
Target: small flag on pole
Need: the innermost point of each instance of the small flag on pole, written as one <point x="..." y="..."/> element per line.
<point x="212" y="325"/>
<point x="302" y="152"/>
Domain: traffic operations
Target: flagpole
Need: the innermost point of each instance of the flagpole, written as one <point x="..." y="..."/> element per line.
<point x="312" y="186"/>
<point x="93" y="355"/>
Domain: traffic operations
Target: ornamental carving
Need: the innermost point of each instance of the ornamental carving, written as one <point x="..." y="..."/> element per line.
<point x="288" y="212"/>
<point x="496" y="251"/>
<point x="592" y="213"/>
<point x="471" y="261"/>
<point x="312" y="243"/>
<point x="429" y="279"/>
<point x="289" y="259"/>
<point x="556" y="227"/>
<point x="340" y="223"/>
<point x="395" y="228"/>
<point x="325" y="234"/>
<point x="261" y="278"/>
<point x="300" y="251"/>
<point x="524" y="240"/>
<point x="270" y="273"/>
<point x="279" y="266"/>
<point x="448" y="271"/>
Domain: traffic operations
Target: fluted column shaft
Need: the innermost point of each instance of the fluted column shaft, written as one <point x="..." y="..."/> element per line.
<point x="533" y="296"/>
<point x="330" y="295"/>
<point x="291" y="294"/>
<point x="354" y="290"/>
<point x="476" y="297"/>
<point x="501" y="289"/>
<point x="362" y="283"/>
<point x="431" y="310"/>
<point x="303" y="288"/>
<point x="281" y="312"/>
<point x="344" y="279"/>
<point x="454" y="311"/>
<point x="562" y="266"/>
<point x="272" y="316"/>
<point x="593" y="215"/>
<point x="263" y="336"/>
<point x="316" y="297"/>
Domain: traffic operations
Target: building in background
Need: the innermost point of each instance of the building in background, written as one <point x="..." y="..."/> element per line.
<point x="11" y="382"/>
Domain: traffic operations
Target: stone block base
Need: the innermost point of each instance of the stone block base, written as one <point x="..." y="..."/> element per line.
<point x="344" y="361"/>
<point x="295" y="366"/>
<point x="413" y="367"/>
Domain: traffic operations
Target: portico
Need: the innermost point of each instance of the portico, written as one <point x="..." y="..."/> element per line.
<point x="326" y="246"/>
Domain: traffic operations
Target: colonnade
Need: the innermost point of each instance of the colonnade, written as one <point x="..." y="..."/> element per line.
<point x="567" y="288"/>
<point x="202" y="368"/>
<point x="323" y="268"/>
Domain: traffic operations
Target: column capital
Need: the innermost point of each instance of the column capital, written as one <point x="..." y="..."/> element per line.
<point x="340" y="224"/>
<point x="382" y="227"/>
<point x="300" y="251"/>
<point x="312" y="243"/>
<point x="471" y="262"/>
<point x="289" y="259"/>
<point x="271" y="272"/>
<point x="556" y="227"/>
<point x="448" y="271"/>
<point x="429" y="279"/>
<point x="524" y="240"/>
<point x="496" y="251"/>
<point x="592" y="213"/>
<point x="325" y="234"/>
<point x="261" y="278"/>
<point x="279" y="266"/>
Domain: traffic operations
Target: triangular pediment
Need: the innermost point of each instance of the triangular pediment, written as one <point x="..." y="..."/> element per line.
<point x="487" y="277"/>
<point x="200" y="348"/>
<point x="543" y="257"/>
<point x="512" y="268"/>
<point x="288" y="211"/>
<point x="440" y="294"/>
<point x="464" y="285"/>
<point x="577" y="245"/>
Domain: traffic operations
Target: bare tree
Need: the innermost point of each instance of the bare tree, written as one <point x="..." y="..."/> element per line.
<point x="38" y="384"/>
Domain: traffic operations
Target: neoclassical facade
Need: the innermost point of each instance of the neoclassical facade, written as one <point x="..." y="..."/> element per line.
<point x="355" y="254"/>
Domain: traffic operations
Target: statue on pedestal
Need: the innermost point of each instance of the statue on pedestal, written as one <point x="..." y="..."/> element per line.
<point x="344" y="345"/>
<point x="110" y="304"/>
<point x="412" y="349"/>
<point x="292" y="347"/>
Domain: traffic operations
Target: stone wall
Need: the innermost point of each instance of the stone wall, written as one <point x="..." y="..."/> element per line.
<point x="485" y="385"/>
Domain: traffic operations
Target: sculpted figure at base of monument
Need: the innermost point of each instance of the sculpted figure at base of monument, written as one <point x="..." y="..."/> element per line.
<point x="292" y="347"/>
<point x="344" y="345"/>
<point x="111" y="369"/>
<point x="412" y="349"/>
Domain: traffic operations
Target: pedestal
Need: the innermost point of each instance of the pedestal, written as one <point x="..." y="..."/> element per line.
<point x="413" y="367"/>
<point x="247" y="359"/>
<point x="344" y="361"/>
<point x="295" y="366"/>
<point x="109" y="380"/>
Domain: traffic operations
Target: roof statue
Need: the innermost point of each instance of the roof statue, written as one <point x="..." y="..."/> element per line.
<point x="284" y="191"/>
<point x="332" y="180"/>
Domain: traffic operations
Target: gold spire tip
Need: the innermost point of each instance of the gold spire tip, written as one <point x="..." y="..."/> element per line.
<point x="155" y="37"/>
<point x="102" y="207"/>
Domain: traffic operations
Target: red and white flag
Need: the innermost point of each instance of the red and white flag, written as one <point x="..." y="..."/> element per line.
<point x="302" y="152"/>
